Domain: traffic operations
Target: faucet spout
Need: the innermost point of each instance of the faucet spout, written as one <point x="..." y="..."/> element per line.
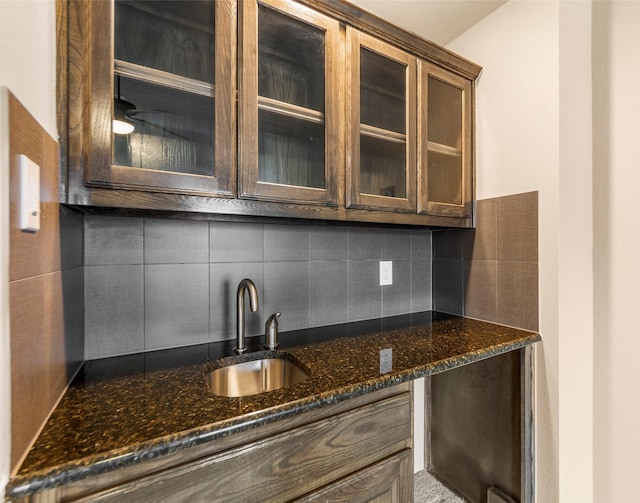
<point x="246" y="285"/>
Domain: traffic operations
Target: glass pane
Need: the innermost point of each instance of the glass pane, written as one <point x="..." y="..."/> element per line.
<point x="445" y="178"/>
<point x="174" y="36"/>
<point x="173" y="129"/>
<point x="291" y="151"/>
<point x="445" y="113"/>
<point x="382" y="167"/>
<point x="290" y="61"/>
<point x="382" y="92"/>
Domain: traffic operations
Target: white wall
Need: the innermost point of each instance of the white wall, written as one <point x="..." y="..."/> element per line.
<point x="27" y="68"/>
<point x="616" y="250"/>
<point x="560" y="115"/>
<point x="518" y="122"/>
<point x="28" y="56"/>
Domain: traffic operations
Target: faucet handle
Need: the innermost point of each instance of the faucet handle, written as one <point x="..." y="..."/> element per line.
<point x="271" y="332"/>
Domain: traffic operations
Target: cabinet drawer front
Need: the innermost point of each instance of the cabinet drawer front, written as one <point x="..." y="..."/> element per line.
<point x="284" y="466"/>
<point x="390" y="481"/>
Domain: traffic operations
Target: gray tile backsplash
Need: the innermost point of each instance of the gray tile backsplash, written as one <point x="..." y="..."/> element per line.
<point x="286" y="243"/>
<point x="176" y="305"/>
<point x="396" y="245"/>
<point x="448" y="286"/>
<point x="396" y="297"/>
<point x="365" y="243"/>
<point x="365" y="292"/>
<point x="328" y="292"/>
<point x="491" y="272"/>
<point x="223" y="284"/>
<point x="114" y="310"/>
<point x="287" y="292"/>
<point x="230" y="242"/>
<point x="176" y="242"/>
<point x="328" y="243"/>
<point x="155" y="283"/>
<point x="113" y="240"/>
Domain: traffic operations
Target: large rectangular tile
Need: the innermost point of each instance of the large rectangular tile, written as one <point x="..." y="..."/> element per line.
<point x="447" y="244"/>
<point x="38" y="366"/>
<point x="517" y="227"/>
<point x="286" y="243"/>
<point x="396" y="244"/>
<point x="328" y="242"/>
<point x="224" y="281"/>
<point x="71" y="238"/>
<point x="73" y="310"/>
<point x="480" y="295"/>
<point x="421" y="299"/>
<point x="448" y="286"/>
<point x="328" y="293"/>
<point x="33" y="253"/>
<point x="113" y="240"/>
<point x="421" y="243"/>
<point x="365" y="243"/>
<point x="396" y="298"/>
<point x="176" y="242"/>
<point x="517" y="303"/>
<point x="176" y="305"/>
<point x="481" y="243"/>
<point x="236" y="242"/>
<point x="286" y="290"/>
<point x="365" y="292"/>
<point x="114" y="310"/>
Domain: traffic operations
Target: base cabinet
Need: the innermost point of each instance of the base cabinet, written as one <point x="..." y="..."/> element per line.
<point x="357" y="450"/>
<point x="390" y="481"/>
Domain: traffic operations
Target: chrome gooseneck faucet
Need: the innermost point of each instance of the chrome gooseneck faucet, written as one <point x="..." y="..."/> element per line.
<point x="246" y="285"/>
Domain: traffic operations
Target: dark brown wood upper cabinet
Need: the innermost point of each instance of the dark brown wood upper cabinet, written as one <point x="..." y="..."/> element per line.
<point x="289" y="113"/>
<point x="381" y="143"/>
<point x="292" y="109"/>
<point x="158" y="111"/>
<point x="445" y="176"/>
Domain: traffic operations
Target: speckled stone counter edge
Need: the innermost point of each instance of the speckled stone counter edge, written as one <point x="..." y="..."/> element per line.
<point x="23" y="485"/>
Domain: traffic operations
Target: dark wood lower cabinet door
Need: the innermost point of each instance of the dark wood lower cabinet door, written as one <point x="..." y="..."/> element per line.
<point x="389" y="481"/>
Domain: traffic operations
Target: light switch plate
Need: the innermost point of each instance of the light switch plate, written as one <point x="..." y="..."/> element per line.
<point x="386" y="272"/>
<point x="29" y="194"/>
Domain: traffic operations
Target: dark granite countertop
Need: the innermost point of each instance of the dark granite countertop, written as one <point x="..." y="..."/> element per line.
<point x="123" y="410"/>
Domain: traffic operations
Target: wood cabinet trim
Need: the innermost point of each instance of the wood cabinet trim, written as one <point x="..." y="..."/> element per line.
<point x="81" y="111"/>
<point x="389" y="480"/>
<point x="365" y="21"/>
<point x="356" y="199"/>
<point x="112" y="482"/>
<point x="250" y="187"/>
<point x="425" y="204"/>
<point x="90" y="104"/>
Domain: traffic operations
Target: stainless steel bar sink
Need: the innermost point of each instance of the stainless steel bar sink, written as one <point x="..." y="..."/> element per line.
<point x="254" y="373"/>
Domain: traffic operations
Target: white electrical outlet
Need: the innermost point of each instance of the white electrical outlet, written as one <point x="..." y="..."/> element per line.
<point x="386" y="272"/>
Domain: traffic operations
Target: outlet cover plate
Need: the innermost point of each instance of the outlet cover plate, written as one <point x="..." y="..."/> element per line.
<point x="386" y="360"/>
<point x="386" y="272"/>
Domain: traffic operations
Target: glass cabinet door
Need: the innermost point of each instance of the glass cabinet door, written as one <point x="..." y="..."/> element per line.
<point x="446" y="171"/>
<point x="172" y="97"/>
<point x="289" y="113"/>
<point x="381" y="165"/>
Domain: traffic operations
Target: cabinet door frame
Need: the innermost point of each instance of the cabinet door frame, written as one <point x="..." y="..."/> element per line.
<point x="249" y="185"/>
<point x="356" y="199"/>
<point x="97" y="99"/>
<point x="425" y="204"/>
